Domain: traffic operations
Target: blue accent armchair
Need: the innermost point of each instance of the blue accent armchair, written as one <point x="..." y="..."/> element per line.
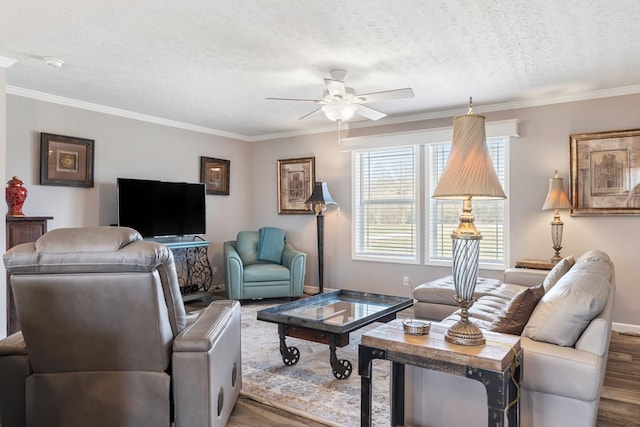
<point x="248" y="277"/>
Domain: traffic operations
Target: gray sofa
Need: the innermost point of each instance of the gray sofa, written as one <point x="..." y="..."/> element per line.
<point x="565" y="342"/>
<point x="106" y="340"/>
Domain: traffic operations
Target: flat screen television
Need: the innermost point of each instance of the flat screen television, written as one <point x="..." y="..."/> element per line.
<point x="161" y="209"/>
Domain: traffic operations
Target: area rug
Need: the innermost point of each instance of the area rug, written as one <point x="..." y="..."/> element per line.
<point x="308" y="388"/>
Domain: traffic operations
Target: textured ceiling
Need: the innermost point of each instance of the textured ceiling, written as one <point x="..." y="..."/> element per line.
<point x="211" y="64"/>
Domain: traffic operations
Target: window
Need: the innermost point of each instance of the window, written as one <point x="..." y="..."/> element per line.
<point x="385" y="188"/>
<point x="490" y="215"/>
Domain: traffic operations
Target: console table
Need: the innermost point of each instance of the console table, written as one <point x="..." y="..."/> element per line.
<point x="496" y="364"/>
<point x="21" y="229"/>
<point x="192" y="266"/>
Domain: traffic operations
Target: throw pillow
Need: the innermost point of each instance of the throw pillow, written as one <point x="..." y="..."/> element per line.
<point x="270" y="244"/>
<point x="558" y="270"/>
<point x="565" y="311"/>
<point x="516" y="314"/>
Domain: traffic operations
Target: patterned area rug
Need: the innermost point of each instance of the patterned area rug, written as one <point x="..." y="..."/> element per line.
<point x="308" y="388"/>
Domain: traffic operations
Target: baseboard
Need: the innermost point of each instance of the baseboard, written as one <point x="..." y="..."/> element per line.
<point x="625" y="327"/>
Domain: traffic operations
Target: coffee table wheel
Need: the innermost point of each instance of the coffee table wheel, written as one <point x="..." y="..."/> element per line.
<point x="291" y="356"/>
<point x="342" y="370"/>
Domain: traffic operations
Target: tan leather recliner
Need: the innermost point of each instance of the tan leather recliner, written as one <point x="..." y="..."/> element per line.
<point x="105" y="339"/>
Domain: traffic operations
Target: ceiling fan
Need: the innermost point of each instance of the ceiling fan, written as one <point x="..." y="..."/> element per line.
<point x="339" y="102"/>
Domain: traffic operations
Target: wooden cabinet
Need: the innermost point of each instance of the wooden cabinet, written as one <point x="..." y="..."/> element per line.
<point x="21" y="230"/>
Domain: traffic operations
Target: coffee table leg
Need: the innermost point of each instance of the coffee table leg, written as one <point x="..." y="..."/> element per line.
<point x="341" y="367"/>
<point x="290" y="355"/>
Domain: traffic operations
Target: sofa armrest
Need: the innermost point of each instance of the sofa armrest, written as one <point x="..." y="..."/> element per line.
<point x="207" y="369"/>
<point x="524" y="276"/>
<point x="562" y="371"/>
<point x="233" y="271"/>
<point x="14" y="370"/>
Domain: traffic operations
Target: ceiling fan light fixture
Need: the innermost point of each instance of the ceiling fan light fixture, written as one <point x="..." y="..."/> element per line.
<point x="339" y="112"/>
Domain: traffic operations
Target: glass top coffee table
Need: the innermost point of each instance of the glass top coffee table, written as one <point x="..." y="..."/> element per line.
<point x="328" y="319"/>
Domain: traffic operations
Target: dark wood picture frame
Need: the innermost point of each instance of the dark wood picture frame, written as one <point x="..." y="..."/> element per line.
<point x="214" y="174"/>
<point x="605" y="173"/>
<point x="296" y="178"/>
<point x="66" y="160"/>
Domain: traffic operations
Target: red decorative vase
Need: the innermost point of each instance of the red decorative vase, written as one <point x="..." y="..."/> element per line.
<point x="15" y="194"/>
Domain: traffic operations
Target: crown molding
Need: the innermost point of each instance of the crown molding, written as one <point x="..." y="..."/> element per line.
<point x="584" y="96"/>
<point x="69" y="102"/>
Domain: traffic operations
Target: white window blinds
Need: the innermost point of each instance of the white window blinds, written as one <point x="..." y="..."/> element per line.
<point x="385" y="184"/>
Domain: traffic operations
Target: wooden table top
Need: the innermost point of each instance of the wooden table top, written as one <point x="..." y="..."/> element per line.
<point x="496" y="355"/>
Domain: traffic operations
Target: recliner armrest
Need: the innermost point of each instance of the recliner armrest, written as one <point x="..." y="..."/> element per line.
<point x="207" y="366"/>
<point x="202" y="333"/>
<point x="14" y="370"/>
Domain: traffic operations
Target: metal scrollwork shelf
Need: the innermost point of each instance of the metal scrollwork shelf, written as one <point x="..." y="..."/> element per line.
<point x="192" y="266"/>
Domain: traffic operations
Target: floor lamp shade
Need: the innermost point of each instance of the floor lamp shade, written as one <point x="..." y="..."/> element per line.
<point x="556" y="199"/>
<point x="319" y="199"/>
<point x="469" y="173"/>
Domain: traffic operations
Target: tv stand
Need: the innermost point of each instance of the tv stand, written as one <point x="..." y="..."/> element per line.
<point x="192" y="266"/>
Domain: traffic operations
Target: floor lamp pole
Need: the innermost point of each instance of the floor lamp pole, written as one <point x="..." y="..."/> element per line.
<point x="320" y="224"/>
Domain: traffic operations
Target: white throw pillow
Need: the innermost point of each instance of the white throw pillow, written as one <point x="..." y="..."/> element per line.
<point x="558" y="270"/>
<point x="565" y="311"/>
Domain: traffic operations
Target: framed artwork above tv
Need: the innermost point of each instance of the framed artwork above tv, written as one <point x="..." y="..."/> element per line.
<point x="214" y="174"/>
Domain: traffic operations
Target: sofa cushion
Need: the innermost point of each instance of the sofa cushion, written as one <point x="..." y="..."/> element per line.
<point x="270" y="244"/>
<point x="567" y="308"/>
<point x="517" y="312"/>
<point x="558" y="270"/>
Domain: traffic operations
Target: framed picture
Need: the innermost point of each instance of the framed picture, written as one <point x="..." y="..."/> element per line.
<point x="214" y="174"/>
<point x="605" y="173"/>
<point x="66" y="160"/>
<point x="295" y="184"/>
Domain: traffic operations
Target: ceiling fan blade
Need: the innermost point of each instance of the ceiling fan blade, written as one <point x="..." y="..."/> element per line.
<point x="293" y="99"/>
<point x="335" y="87"/>
<point x="386" y="95"/>
<point x="368" y="112"/>
<point x="308" y="114"/>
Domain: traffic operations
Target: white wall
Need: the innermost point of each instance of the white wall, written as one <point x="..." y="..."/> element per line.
<point x="138" y="149"/>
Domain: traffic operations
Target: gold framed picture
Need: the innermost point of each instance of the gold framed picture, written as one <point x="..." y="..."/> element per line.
<point x="66" y="160"/>
<point x="214" y="174"/>
<point x="605" y="173"/>
<point x="295" y="184"/>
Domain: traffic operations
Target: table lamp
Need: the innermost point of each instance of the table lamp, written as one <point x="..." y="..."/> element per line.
<point x="556" y="199"/>
<point x="319" y="200"/>
<point x="469" y="173"/>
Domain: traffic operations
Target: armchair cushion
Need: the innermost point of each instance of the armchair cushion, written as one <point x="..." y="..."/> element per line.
<point x="270" y="244"/>
<point x="247" y="247"/>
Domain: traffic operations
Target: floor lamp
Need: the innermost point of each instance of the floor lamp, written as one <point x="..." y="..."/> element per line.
<point x="318" y="201"/>
<point x="469" y="173"/>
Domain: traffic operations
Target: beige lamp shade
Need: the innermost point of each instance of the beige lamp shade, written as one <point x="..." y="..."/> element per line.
<point x="469" y="171"/>
<point x="556" y="197"/>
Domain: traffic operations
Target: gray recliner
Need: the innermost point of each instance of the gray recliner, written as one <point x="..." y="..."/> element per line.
<point x="106" y="341"/>
<point x="252" y="276"/>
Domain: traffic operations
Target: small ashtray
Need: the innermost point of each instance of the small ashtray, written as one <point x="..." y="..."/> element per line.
<point x="416" y="327"/>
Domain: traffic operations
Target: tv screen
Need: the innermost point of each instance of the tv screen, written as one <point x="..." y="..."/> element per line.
<point x="160" y="209"/>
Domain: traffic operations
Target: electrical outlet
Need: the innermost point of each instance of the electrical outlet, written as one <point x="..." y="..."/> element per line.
<point x="405" y="281"/>
<point x="214" y="270"/>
